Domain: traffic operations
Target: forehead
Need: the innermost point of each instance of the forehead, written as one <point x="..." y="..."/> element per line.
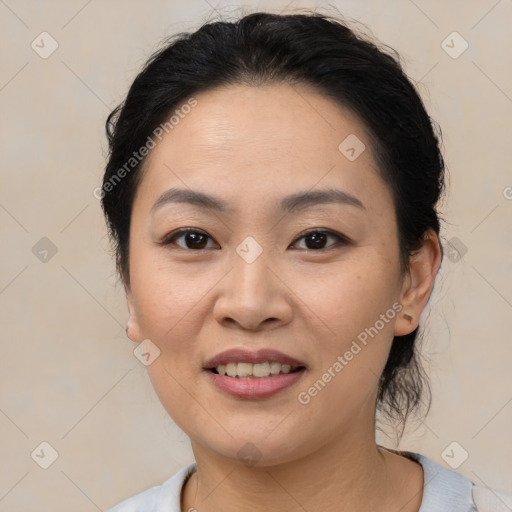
<point x="260" y="141"/>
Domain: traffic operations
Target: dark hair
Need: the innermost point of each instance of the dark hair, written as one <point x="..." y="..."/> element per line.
<point x="311" y="49"/>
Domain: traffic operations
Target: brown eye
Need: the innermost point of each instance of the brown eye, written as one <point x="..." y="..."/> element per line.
<point x="195" y="239"/>
<point x="192" y="239"/>
<point x="317" y="240"/>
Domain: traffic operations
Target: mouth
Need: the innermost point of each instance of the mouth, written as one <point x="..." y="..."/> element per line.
<point x="246" y="374"/>
<point x="262" y="370"/>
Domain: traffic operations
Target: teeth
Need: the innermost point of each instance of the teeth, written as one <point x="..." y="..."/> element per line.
<point x="275" y="368"/>
<point x="245" y="370"/>
<point x="259" y="369"/>
<point x="231" y="369"/>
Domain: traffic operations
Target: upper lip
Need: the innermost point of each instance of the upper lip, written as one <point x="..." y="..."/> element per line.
<point x="242" y="355"/>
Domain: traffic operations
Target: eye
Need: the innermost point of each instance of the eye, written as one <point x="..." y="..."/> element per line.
<point x="316" y="239"/>
<point x="194" y="239"/>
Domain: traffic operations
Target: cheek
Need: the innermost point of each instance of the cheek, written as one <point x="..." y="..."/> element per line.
<point x="170" y="311"/>
<point x="167" y="295"/>
<point x="349" y="295"/>
<point x="351" y="352"/>
<point x="353" y="307"/>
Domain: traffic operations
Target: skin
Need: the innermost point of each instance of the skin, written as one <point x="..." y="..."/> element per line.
<point x="251" y="146"/>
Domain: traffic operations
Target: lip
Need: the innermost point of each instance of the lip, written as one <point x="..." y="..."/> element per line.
<point x="250" y="388"/>
<point x="242" y="355"/>
<point x="254" y="389"/>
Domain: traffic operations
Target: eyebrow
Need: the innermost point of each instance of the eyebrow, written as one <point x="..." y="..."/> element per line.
<point x="288" y="204"/>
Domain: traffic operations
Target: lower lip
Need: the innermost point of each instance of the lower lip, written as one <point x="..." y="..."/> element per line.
<point x="262" y="387"/>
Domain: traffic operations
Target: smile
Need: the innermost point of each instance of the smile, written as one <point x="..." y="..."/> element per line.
<point x="255" y="371"/>
<point x="251" y="387"/>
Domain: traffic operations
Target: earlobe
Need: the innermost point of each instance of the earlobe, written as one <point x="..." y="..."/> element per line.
<point x="418" y="283"/>
<point x="132" y="324"/>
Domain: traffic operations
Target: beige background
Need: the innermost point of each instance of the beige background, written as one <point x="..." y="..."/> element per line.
<point x="68" y="373"/>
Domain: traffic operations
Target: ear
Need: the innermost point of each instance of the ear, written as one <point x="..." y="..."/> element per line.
<point x="418" y="283"/>
<point x="132" y="325"/>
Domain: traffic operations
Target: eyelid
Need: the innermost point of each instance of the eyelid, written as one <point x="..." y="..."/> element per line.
<point x="167" y="240"/>
<point x="342" y="239"/>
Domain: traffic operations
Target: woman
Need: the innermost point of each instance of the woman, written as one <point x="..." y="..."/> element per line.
<point x="271" y="192"/>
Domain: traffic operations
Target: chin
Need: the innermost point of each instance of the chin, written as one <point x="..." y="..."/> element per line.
<point x="254" y="450"/>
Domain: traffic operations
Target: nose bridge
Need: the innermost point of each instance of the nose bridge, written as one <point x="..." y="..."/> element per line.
<point x="252" y="278"/>
<point x="252" y="293"/>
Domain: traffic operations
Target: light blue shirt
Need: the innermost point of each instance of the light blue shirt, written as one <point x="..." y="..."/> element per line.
<point x="444" y="490"/>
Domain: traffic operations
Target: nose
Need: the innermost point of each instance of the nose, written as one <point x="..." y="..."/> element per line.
<point x="253" y="297"/>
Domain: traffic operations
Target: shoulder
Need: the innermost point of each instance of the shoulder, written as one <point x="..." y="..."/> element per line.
<point x="489" y="500"/>
<point x="445" y="489"/>
<point x="165" y="496"/>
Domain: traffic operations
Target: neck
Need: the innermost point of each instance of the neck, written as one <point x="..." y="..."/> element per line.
<point x="351" y="474"/>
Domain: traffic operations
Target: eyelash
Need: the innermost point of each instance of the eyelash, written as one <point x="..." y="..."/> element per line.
<point x="342" y="240"/>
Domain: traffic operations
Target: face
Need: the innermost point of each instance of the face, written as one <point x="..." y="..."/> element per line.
<point x="272" y="265"/>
